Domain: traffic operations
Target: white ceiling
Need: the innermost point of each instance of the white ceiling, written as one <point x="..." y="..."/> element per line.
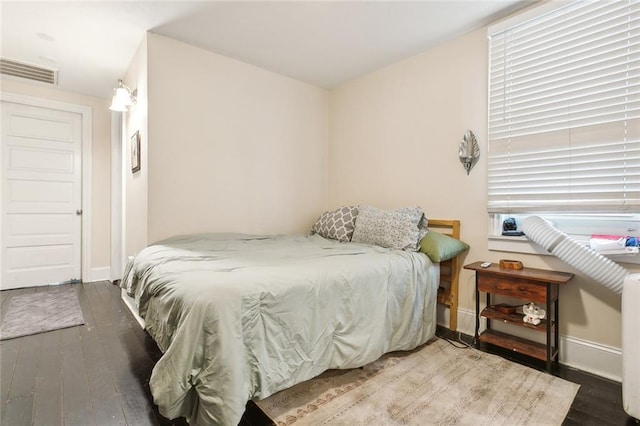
<point x="323" y="43"/>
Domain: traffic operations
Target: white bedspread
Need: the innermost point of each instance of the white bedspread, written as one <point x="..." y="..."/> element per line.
<point x="240" y="317"/>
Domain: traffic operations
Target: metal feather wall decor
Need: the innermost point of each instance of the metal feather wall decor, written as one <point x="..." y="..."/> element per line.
<point x="469" y="151"/>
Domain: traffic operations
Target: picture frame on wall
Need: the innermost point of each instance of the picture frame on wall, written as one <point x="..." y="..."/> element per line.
<point x="135" y="152"/>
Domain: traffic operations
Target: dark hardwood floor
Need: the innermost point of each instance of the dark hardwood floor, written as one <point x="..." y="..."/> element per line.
<point x="98" y="373"/>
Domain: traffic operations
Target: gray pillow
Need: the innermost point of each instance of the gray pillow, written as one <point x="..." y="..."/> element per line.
<point x="336" y="224"/>
<point x="400" y="229"/>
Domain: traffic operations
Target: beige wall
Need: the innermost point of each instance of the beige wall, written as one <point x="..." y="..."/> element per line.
<point x="135" y="205"/>
<point x="393" y="141"/>
<point x="100" y="160"/>
<point x="232" y="147"/>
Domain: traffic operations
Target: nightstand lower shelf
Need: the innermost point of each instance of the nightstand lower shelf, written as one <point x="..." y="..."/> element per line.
<point x="517" y="344"/>
<point x="515" y="319"/>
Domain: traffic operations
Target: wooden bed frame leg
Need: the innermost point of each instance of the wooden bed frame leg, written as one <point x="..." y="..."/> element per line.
<point x="449" y="297"/>
<point x="453" y="307"/>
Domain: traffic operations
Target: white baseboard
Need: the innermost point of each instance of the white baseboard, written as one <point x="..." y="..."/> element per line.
<point x="114" y="276"/>
<point x="466" y="320"/>
<point x="98" y="274"/>
<point x="595" y="358"/>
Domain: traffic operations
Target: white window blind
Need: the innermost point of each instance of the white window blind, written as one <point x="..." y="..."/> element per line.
<point x="564" y="110"/>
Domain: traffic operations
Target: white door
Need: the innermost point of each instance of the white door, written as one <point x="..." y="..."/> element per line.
<point x="41" y="196"/>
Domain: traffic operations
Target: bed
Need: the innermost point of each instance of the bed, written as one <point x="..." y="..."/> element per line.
<point x="239" y="317"/>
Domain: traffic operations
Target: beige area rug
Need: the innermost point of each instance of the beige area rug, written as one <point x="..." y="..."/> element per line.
<point x="41" y="311"/>
<point x="435" y="384"/>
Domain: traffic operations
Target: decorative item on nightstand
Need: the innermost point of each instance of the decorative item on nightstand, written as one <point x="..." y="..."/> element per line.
<point x="533" y="314"/>
<point x="511" y="264"/>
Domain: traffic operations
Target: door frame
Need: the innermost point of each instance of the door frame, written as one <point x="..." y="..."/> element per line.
<point x="117" y="212"/>
<point x="87" y="126"/>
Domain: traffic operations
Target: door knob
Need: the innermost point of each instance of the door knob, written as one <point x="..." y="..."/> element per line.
<point x="79" y="212"/>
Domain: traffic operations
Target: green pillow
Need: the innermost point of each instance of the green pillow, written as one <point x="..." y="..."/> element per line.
<point x="440" y="247"/>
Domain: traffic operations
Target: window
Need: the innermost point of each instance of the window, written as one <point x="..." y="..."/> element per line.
<point x="564" y="116"/>
<point x="564" y="111"/>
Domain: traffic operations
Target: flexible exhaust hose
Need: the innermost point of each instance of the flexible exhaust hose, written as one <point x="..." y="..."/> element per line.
<point x="581" y="257"/>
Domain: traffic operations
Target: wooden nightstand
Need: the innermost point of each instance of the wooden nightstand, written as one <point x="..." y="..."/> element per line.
<point x="530" y="285"/>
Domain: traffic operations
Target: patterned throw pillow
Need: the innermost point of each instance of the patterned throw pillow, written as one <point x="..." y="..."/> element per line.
<point x="400" y="229"/>
<point x="336" y="224"/>
<point x="412" y="211"/>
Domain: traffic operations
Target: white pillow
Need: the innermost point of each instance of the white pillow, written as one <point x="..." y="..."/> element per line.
<point x="400" y="229"/>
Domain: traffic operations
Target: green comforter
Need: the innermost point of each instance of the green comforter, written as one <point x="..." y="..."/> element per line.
<point x="240" y="316"/>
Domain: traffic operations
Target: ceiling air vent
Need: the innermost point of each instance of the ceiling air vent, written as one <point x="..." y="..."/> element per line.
<point x="28" y="71"/>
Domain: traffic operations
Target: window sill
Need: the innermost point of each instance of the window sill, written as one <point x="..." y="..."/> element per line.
<point x="524" y="245"/>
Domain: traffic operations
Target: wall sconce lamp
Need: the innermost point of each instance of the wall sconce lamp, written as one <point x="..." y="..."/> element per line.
<point x="122" y="98"/>
<point x="469" y="151"/>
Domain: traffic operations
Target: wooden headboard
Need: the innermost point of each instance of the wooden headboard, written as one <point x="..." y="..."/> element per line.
<point x="449" y="271"/>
